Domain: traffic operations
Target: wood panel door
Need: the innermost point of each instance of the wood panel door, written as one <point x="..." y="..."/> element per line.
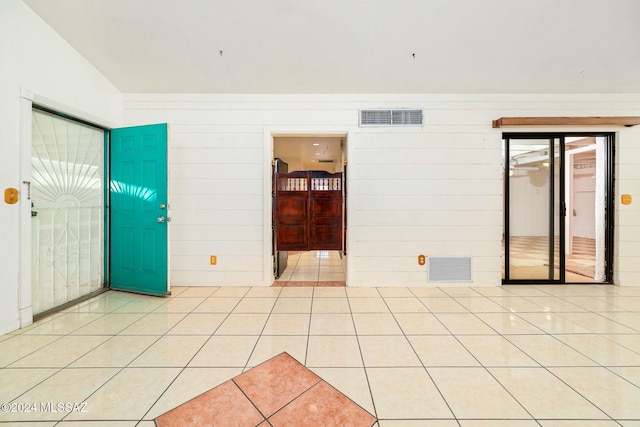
<point x="292" y="211"/>
<point x="309" y="211"/>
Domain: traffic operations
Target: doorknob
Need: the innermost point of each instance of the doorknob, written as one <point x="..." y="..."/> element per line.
<point x="162" y="219"/>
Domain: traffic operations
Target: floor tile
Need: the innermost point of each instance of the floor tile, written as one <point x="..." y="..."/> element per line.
<point x="276" y="382"/>
<point x="118" y="351"/>
<point x="555" y="305"/>
<point x="612" y="394"/>
<point x="68" y="385"/>
<point x="170" y="350"/>
<point x="509" y="323"/>
<point x="545" y="396"/>
<point x="479" y="304"/>
<point x="405" y="393"/>
<point x="494" y="350"/>
<point x="462" y="388"/>
<point x="351" y="382"/>
<point x="331" y="324"/>
<point x="631" y="320"/>
<point x="368" y="305"/>
<point x="109" y="324"/>
<point x="579" y="423"/>
<point x="223" y="305"/>
<point x="428" y="292"/>
<point x="598" y="324"/>
<point x="255" y="305"/>
<point x="322" y="405"/>
<point x="630" y="373"/>
<point x="499" y="423"/>
<point x="449" y="351"/>
<point x="198" y="324"/>
<point x="19" y="346"/>
<point x="62" y="352"/>
<point x="601" y="350"/>
<point x="419" y="423"/>
<point x="292" y="305"/>
<point x="376" y="324"/>
<point x="296" y="292"/>
<point x="63" y="324"/>
<point x="333" y="351"/>
<point x="391" y="350"/>
<point x="287" y="324"/>
<point x="14" y="382"/>
<point x="553" y="323"/>
<point x="191" y="383"/>
<point x="399" y="292"/>
<point x="243" y="324"/>
<point x="179" y="305"/>
<point x="443" y="305"/>
<point x="154" y="324"/>
<point x="142" y="304"/>
<point x="214" y="407"/>
<point x="231" y="291"/>
<point x="269" y="346"/>
<point x="114" y="401"/>
<point x="548" y="351"/>
<point x="406" y="305"/>
<point x="464" y="323"/>
<point x="517" y="304"/>
<point x="330" y="292"/>
<point x="198" y="292"/>
<point x="330" y="305"/>
<point x="237" y="350"/>
<point x="263" y="292"/>
<point x="355" y="292"/>
<point x="420" y="324"/>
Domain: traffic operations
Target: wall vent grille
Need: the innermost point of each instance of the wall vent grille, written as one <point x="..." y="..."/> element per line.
<point x="449" y="269"/>
<point x="402" y="117"/>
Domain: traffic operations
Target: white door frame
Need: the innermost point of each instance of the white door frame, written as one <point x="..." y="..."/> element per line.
<point x="269" y="135"/>
<point x="27" y="99"/>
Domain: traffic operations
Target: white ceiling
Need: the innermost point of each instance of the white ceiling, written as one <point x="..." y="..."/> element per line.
<point x="310" y="152"/>
<point x="356" y="46"/>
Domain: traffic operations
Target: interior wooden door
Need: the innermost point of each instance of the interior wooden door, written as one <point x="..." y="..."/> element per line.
<point x="326" y="211"/>
<point x="309" y="211"/>
<point x="292" y="211"/>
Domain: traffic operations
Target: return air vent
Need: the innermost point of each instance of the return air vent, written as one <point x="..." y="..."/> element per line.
<point x="402" y="117"/>
<point x="449" y="269"/>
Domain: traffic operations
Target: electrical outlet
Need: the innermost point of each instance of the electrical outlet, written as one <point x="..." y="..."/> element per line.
<point x="213" y="260"/>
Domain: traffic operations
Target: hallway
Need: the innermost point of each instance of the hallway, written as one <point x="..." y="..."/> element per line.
<point x="313" y="268"/>
<point x="499" y="356"/>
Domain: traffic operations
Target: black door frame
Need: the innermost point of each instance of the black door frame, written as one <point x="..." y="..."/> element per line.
<point x="609" y="202"/>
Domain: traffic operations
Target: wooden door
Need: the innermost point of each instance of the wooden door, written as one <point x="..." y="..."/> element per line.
<point x="292" y="211"/>
<point x="309" y="211"/>
<point x="326" y="211"/>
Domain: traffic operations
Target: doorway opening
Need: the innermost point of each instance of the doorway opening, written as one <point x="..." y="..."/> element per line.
<point x="308" y="210"/>
<point x="558" y="208"/>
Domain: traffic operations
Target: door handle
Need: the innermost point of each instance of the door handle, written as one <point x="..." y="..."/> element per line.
<point x="162" y="219"/>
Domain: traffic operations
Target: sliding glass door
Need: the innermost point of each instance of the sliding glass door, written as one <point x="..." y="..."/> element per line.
<point x="558" y="192"/>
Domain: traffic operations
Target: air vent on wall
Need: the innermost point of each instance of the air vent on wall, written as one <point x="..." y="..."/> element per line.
<point x="449" y="269"/>
<point x="402" y="117"/>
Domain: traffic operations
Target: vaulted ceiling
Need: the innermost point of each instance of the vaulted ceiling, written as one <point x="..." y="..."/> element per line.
<point x="355" y="46"/>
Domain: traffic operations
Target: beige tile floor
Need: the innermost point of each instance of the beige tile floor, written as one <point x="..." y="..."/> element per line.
<point x="503" y="356"/>
<point x="314" y="266"/>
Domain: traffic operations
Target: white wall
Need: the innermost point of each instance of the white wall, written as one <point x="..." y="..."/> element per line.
<point x="35" y="62"/>
<point x="434" y="190"/>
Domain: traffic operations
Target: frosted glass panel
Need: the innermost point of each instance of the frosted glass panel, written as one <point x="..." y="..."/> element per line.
<point x="67" y="210"/>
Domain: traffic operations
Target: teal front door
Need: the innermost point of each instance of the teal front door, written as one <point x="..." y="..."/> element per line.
<point x="139" y="212"/>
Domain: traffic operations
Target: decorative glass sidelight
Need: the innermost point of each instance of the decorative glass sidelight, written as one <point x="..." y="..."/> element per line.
<point x="67" y="210"/>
